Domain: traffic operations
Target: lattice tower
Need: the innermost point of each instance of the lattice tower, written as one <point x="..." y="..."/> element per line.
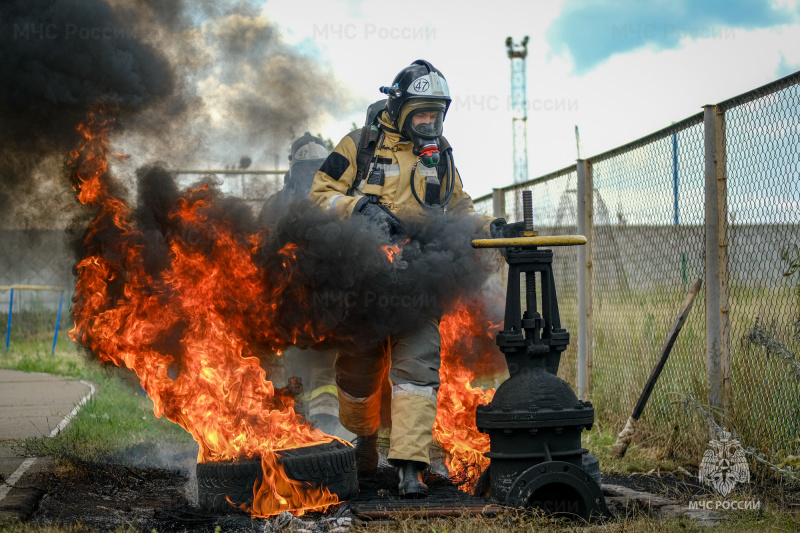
<point x="517" y="52"/>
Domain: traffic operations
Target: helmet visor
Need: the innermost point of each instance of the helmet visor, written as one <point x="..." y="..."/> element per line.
<point x="425" y="123"/>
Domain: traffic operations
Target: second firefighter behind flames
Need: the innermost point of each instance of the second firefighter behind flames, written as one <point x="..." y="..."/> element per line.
<point x="396" y="168"/>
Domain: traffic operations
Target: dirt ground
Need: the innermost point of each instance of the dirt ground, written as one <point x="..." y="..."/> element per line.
<point x="684" y="489"/>
<point x="106" y="496"/>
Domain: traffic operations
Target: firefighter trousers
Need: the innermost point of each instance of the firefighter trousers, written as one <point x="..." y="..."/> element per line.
<point x="412" y="358"/>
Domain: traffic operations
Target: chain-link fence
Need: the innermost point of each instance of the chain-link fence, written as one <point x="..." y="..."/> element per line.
<point x="714" y="196"/>
<point x="648" y="249"/>
<point x="35" y="257"/>
<point x="253" y="187"/>
<point x="36" y="283"/>
<point x="762" y="141"/>
<point x="554" y="213"/>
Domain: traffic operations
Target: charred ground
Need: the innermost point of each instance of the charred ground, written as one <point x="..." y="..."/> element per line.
<point x="111" y="495"/>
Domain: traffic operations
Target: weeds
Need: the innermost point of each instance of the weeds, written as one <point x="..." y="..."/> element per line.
<point x="644" y="456"/>
<point x="517" y="521"/>
<point x="511" y="520"/>
<point x="784" y="467"/>
<point x="19" y="527"/>
<point x="759" y="336"/>
<point x="117" y="422"/>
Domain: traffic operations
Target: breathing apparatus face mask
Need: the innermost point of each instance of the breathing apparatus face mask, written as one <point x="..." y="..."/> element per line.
<point x="424" y="127"/>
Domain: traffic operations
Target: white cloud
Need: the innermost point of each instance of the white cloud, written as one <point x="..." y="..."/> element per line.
<point x="627" y="97"/>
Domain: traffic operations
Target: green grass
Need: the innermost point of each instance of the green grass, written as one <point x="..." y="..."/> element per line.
<point x="118" y="419"/>
<point x="644" y="455"/>
<point x="21" y="527"/>
<point x="763" y="398"/>
<point x="110" y="426"/>
<point x="526" y="522"/>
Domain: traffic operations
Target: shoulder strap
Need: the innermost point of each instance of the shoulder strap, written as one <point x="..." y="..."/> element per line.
<point x="365" y="140"/>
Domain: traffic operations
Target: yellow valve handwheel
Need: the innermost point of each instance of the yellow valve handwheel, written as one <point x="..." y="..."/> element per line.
<point x="554" y="240"/>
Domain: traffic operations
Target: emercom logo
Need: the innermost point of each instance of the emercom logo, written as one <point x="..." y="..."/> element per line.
<point x="724" y="464"/>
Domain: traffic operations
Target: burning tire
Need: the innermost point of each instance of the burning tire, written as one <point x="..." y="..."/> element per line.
<point x="331" y="465"/>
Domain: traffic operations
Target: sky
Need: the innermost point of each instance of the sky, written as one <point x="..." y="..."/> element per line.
<point x="618" y="69"/>
<point x="212" y="84"/>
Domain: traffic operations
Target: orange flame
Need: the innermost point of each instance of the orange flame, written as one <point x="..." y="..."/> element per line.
<point x="391" y="251"/>
<point x="455" y="427"/>
<point x="220" y="394"/>
<point x="274" y="492"/>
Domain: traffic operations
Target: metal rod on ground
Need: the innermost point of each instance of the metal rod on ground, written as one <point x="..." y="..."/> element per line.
<point x="625" y="437"/>
<point x="58" y="320"/>
<point x="8" y="324"/>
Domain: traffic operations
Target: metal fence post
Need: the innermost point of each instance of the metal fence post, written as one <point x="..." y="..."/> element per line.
<point x="10" y="312"/>
<point x="499" y="203"/>
<point x="716" y="244"/>
<point x="58" y="321"/>
<point x="585" y="225"/>
<point x="724" y="274"/>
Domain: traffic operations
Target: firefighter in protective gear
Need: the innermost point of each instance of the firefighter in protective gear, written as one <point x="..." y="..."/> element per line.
<point x="320" y="401"/>
<point x="410" y="170"/>
<point x="306" y="155"/>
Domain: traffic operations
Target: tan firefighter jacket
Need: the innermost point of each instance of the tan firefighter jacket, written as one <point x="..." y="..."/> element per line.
<point x="335" y="178"/>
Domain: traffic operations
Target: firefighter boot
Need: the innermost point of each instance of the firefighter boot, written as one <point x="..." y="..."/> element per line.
<point x="410" y="477"/>
<point x="367" y="456"/>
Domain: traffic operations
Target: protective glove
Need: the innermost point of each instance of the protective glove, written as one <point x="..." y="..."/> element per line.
<point x="500" y="229"/>
<point x="379" y="215"/>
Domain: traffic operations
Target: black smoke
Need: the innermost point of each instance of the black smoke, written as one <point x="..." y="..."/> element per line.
<point x="61" y="58"/>
<point x="191" y="80"/>
<point x="197" y="84"/>
<point x="243" y="89"/>
<point x="342" y="282"/>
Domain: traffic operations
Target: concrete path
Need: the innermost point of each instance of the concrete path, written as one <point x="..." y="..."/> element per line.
<point x="31" y="405"/>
